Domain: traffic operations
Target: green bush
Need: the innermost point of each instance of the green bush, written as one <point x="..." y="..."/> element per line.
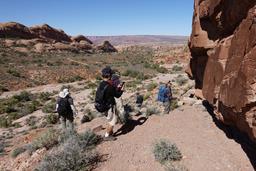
<point x="14" y="72"/>
<point x="17" y="151"/>
<point x="5" y="122"/>
<point x="23" y="96"/>
<point x="49" y="107"/>
<point x="51" y="118"/>
<point x="165" y="151"/>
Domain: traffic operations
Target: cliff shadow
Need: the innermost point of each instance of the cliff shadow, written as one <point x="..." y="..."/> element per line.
<point x="241" y="138"/>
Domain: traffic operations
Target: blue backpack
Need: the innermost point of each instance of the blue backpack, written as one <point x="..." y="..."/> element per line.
<point x="161" y="94"/>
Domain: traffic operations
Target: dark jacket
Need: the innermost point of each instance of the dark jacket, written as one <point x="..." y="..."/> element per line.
<point x="110" y="92"/>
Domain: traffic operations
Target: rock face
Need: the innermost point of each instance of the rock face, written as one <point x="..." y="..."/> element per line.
<point x="223" y="62"/>
<point x="45" y="38"/>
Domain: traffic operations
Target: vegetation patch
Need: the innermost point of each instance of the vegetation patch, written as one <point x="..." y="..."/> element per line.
<point x="17" y="151"/>
<point x="165" y="151"/>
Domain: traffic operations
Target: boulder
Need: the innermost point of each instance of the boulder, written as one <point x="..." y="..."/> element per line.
<point x="223" y="64"/>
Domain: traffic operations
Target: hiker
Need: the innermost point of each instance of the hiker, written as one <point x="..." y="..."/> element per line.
<point x="105" y="101"/>
<point x="66" y="109"/>
<point x="164" y="96"/>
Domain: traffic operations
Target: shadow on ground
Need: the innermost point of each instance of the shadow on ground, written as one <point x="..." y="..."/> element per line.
<point x="233" y="133"/>
<point x="129" y="126"/>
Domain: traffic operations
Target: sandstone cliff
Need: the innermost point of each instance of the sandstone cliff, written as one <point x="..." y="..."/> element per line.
<point x="223" y="62"/>
<point x="44" y="38"/>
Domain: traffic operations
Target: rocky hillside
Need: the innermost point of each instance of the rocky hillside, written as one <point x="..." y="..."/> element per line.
<point x="223" y="62"/>
<point x="45" y="38"/>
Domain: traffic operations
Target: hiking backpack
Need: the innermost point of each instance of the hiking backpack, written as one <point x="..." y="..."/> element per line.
<point x="101" y="104"/>
<point x="64" y="107"/>
<point x="161" y="93"/>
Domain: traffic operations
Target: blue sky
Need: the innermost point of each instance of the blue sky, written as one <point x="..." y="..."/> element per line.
<point x="103" y="17"/>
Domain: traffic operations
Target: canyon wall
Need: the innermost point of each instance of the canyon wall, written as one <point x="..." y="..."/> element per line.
<point x="223" y="59"/>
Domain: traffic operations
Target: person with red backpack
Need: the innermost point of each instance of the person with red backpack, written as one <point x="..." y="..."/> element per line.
<point x="66" y="109"/>
<point x="105" y="101"/>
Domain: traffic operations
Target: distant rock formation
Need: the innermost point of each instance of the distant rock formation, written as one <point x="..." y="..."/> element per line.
<point x="45" y="38"/>
<point x="223" y="62"/>
<point x="106" y="47"/>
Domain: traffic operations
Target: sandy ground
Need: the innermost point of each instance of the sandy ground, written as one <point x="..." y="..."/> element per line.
<point x="204" y="146"/>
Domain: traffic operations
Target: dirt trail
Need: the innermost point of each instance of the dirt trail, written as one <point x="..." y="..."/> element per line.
<point x="203" y="145"/>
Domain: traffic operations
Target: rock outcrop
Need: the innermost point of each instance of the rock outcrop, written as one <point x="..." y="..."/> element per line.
<point x="106" y="47"/>
<point x="223" y="62"/>
<point x="45" y="38"/>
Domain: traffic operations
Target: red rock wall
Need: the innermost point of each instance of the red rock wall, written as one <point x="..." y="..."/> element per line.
<point x="223" y="62"/>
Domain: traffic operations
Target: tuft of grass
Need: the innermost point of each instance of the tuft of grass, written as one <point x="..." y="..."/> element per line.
<point x="48" y="139"/>
<point x="14" y="72"/>
<point x="31" y="121"/>
<point x="165" y="151"/>
<point x="17" y="151"/>
<point x="24" y="96"/>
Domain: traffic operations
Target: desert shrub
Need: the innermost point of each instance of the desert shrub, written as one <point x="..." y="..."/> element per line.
<point x="165" y="151"/>
<point x="14" y="72"/>
<point x="174" y="104"/>
<point x="177" y="68"/>
<point x="89" y="139"/>
<point x="151" y="86"/>
<point x="49" y="107"/>
<point x="23" y="96"/>
<point x="151" y="111"/>
<point x="29" y="108"/>
<point x="75" y="153"/>
<point x="17" y="151"/>
<point x="51" y="118"/>
<point x="3" y="89"/>
<point x="131" y="73"/>
<point x="5" y="122"/>
<point x="48" y="139"/>
<point x="91" y="85"/>
<point x="45" y="96"/>
<point x="147" y="95"/>
<point x="181" y="80"/>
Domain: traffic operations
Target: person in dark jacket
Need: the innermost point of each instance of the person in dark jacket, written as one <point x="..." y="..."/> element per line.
<point x="66" y="109"/>
<point x="110" y="94"/>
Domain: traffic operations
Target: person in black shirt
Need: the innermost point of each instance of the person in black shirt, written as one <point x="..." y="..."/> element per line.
<point x="66" y="109"/>
<point x="109" y="96"/>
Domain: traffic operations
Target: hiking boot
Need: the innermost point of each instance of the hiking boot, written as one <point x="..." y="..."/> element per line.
<point x="109" y="138"/>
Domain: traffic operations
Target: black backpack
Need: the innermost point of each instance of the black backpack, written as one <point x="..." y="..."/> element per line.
<point x="64" y="108"/>
<point x="101" y="104"/>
